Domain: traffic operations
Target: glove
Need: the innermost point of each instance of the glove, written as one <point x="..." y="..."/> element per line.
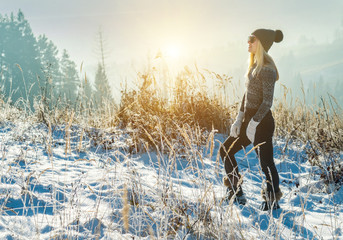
<point x="236" y="126"/>
<point x="251" y="130"/>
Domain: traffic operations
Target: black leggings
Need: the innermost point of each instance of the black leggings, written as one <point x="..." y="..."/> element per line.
<point x="264" y="133"/>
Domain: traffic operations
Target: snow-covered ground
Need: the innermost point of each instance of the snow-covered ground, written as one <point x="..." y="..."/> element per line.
<point x="58" y="187"/>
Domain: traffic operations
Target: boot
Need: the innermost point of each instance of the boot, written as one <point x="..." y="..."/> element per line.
<point x="238" y="195"/>
<point x="234" y="192"/>
<point x="271" y="200"/>
<point x="266" y="206"/>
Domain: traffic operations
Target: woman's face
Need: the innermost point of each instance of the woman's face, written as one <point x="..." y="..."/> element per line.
<point x="252" y="42"/>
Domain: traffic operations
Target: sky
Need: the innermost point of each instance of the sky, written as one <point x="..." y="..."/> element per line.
<point x="180" y="29"/>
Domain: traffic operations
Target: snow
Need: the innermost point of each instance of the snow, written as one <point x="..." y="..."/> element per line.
<point x="50" y="191"/>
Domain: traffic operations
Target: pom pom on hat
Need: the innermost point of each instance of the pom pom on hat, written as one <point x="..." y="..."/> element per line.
<point x="278" y="36"/>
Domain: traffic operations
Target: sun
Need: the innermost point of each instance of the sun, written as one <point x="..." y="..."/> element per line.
<point x="172" y="51"/>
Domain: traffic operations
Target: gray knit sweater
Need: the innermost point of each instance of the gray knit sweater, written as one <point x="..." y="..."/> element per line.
<point x="259" y="92"/>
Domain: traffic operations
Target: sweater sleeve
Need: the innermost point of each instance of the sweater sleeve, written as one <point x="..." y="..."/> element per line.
<point x="268" y="79"/>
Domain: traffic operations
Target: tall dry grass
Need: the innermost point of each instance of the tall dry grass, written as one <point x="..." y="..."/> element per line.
<point x="319" y="128"/>
<point x="157" y="119"/>
<point x="160" y="111"/>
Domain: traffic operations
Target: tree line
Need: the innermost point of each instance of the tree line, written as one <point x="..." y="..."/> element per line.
<point x="33" y="69"/>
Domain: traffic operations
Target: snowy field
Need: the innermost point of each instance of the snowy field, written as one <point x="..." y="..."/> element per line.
<point x="73" y="183"/>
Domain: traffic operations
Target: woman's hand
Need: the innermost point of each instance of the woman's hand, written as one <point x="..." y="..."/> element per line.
<point x="236" y="126"/>
<point x="251" y="130"/>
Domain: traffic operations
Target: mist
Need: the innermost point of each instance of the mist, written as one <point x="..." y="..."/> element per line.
<point x="211" y="35"/>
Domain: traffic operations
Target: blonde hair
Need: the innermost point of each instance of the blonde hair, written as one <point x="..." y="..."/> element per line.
<point x="261" y="58"/>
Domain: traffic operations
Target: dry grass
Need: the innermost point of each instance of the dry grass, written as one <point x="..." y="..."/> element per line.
<point x="166" y="118"/>
<point x="319" y="128"/>
<point x="156" y="120"/>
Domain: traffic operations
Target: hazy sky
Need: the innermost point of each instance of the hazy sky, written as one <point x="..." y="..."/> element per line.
<point x="132" y="28"/>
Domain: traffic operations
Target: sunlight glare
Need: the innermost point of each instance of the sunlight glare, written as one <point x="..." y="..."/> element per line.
<point x="173" y="51"/>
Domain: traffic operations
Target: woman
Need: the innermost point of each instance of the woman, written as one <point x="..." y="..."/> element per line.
<point x="255" y="123"/>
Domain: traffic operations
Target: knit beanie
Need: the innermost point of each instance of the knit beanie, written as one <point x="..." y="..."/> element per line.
<point x="267" y="37"/>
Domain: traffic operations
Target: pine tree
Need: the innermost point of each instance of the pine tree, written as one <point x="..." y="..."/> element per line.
<point x="51" y="68"/>
<point x="70" y="80"/>
<point x="85" y="93"/>
<point x="102" y="88"/>
<point x="19" y="59"/>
